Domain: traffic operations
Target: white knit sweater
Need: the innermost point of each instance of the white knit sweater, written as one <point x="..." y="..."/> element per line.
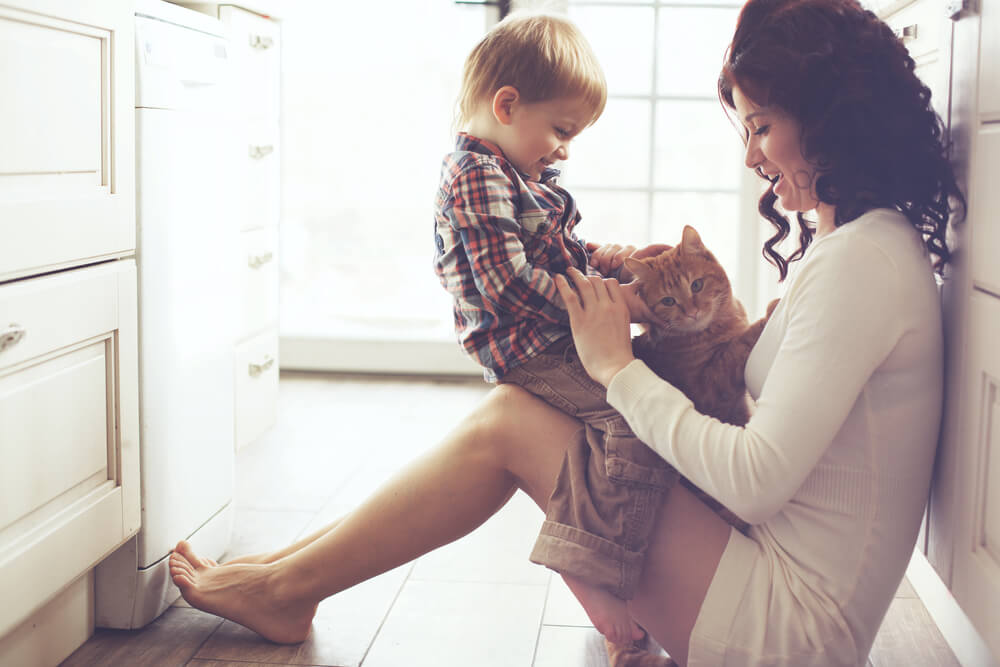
<point x="834" y="466"/>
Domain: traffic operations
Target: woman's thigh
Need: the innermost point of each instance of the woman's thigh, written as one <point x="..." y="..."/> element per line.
<point x="686" y="546"/>
<point x="529" y="436"/>
<point x="688" y="539"/>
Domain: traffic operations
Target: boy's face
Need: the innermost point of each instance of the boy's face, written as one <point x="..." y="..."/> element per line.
<point x="539" y="133"/>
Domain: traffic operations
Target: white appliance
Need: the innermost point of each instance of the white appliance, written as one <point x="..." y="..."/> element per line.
<point x="187" y="310"/>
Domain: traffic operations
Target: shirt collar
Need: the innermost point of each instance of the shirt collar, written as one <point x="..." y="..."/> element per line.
<point x="467" y="142"/>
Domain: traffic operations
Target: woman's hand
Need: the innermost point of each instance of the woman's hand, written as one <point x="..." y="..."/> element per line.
<point x="599" y="318"/>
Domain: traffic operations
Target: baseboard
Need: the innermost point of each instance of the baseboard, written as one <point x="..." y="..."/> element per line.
<point x="968" y="647"/>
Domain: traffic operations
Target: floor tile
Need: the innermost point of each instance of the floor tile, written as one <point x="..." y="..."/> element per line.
<point x="909" y="637"/>
<point x="561" y="607"/>
<point x="172" y="639"/>
<point x="565" y="646"/>
<point x="342" y="631"/>
<point x="496" y="552"/>
<point x="444" y="624"/>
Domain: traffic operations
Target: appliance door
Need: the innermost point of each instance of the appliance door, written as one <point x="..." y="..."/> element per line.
<point x="187" y="316"/>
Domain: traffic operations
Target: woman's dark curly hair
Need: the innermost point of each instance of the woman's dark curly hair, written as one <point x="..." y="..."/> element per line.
<point x="867" y="121"/>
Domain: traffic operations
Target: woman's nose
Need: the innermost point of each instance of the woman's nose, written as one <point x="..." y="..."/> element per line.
<point x="752" y="156"/>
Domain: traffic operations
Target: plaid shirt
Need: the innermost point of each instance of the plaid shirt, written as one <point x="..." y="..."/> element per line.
<point x="500" y="239"/>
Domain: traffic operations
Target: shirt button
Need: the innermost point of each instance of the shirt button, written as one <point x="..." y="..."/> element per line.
<point x="440" y="242"/>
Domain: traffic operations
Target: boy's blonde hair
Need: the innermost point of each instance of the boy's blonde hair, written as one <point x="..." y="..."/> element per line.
<point x="543" y="55"/>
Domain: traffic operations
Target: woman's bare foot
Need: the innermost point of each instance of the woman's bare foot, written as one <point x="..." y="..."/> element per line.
<point x="244" y="593"/>
<point x="609" y="614"/>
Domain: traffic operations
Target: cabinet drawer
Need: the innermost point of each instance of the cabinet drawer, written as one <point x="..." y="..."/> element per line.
<point x="256" y="386"/>
<point x="259" y="280"/>
<point x="261" y="180"/>
<point x="66" y="128"/>
<point x="922" y="25"/>
<point x="68" y="428"/>
<point x="255" y="43"/>
<point x="985" y="204"/>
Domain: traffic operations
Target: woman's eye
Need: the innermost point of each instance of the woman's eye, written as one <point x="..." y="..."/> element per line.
<point x="697" y="285"/>
<point x="762" y="130"/>
<point x="668" y="301"/>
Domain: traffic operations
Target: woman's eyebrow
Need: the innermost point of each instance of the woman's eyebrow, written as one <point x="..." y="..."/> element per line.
<point x="750" y="116"/>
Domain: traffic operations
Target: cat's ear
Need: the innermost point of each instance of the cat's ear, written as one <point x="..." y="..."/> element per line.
<point x="639" y="269"/>
<point x="691" y="240"/>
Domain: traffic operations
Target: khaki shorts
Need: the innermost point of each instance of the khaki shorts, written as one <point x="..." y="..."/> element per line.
<point x="610" y="486"/>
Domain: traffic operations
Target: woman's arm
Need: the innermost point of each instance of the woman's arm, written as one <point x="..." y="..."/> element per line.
<point x="841" y="324"/>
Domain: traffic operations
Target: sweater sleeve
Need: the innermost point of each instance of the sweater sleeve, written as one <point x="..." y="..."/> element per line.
<point x="842" y="321"/>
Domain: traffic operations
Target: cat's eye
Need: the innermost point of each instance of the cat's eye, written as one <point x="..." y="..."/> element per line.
<point x="668" y="301"/>
<point x="697" y="285"/>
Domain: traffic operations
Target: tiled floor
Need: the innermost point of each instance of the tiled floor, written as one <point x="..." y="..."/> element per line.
<point x="475" y="603"/>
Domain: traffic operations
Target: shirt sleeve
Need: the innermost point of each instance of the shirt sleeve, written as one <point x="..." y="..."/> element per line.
<point x="842" y="323"/>
<point x="483" y="213"/>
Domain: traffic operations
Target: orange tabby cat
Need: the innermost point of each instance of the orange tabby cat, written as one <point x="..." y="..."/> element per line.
<point x="699" y="341"/>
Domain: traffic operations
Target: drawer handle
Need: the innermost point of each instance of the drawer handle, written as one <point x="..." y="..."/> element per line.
<point x="258" y="152"/>
<point x="906" y="33"/>
<point x="257" y="261"/>
<point x="261" y="42"/>
<point x="11" y="336"/>
<point x="257" y="369"/>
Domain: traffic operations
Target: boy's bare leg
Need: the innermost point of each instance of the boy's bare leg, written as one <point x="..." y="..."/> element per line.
<point x="609" y="614"/>
<point x="438" y="499"/>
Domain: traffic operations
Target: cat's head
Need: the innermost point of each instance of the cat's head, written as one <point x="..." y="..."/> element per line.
<point x="684" y="287"/>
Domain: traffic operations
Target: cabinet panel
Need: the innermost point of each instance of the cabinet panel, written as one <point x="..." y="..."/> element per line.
<point x="984" y="239"/>
<point x="976" y="582"/>
<point x="256" y="386"/>
<point x="67" y="164"/>
<point x="45" y="457"/>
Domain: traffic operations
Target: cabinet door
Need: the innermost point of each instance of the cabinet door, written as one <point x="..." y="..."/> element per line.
<point x="69" y="477"/>
<point x="66" y="128"/>
<point x="976" y="575"/>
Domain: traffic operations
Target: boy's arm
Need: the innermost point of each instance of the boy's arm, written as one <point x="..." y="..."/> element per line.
<point x="482" y="215"/>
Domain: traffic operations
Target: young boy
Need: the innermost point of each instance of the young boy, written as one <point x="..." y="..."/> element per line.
<point x="504" y="229"/>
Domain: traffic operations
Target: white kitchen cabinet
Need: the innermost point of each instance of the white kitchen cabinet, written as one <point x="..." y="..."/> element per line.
<point x="963" y="529"/>
<point x="66" y="168"/>
<point x="69" y="444"/>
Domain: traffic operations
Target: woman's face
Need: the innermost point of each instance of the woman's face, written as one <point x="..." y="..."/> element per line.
<point x="774" y="147"/>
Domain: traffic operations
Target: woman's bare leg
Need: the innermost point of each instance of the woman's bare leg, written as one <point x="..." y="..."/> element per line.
<point x="511" y="441"/>
<point x="684" y="552"/>
<point x="271" y="556"/>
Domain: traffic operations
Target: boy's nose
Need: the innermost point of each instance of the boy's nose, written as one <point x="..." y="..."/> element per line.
<point x="562" y="153"/>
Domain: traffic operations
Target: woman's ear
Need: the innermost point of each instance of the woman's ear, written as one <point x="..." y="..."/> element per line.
<point x="503" y="104"/>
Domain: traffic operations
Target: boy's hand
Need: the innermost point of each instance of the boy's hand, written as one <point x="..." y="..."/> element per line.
<point x="609" y="257"/>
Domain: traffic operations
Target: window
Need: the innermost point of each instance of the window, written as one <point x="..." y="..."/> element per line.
<point x="369" y="94"/>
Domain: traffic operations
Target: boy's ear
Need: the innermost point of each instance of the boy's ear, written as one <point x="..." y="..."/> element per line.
<point x="503" y="104"/>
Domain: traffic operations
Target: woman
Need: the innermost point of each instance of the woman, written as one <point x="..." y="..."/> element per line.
<point x="833" y="468"/>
